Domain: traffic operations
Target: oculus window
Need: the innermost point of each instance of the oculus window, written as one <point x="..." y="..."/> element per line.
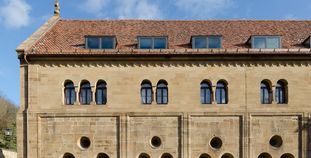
<point x="152" y="42"/>
<point x="106" y="42"/>
<point x="201" y="42"/>
<point x="263" y="42"/>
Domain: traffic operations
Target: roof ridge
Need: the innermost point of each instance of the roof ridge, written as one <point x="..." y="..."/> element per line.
<point x="186" y="20"/>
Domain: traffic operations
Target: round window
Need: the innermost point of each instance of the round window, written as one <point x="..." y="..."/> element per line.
<point x="156" y="141"/>
<point x="216" y="143"/>
<point x="276" y="141"/>
<point x="85" y="142"/>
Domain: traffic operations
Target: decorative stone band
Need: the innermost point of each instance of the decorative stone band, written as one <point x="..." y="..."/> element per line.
<point x="165" y="52"/>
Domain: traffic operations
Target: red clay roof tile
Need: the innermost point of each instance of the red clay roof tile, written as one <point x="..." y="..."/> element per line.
<point x="68" y="36"/>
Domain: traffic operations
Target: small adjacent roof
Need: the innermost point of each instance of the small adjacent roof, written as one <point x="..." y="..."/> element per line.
<point x="68" y="36"/>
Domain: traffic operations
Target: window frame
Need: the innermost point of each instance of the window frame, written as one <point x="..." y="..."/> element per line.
<point x="205" y="92"/>
<point x="153" y="39"/>
<point x="225" y="88"/>
<point x="266" y="37"/>
<point x="72" y="90"/>
<point x="104" y="92"/>
<point x="281" y="91"/>
<point x="193" y="38"/>
<point x="270" y="92"/>
<point x="144" y="100"/>
<point x="161" y="90"/>
<point x="100" y="42"/>
<point x="82" y="89"/>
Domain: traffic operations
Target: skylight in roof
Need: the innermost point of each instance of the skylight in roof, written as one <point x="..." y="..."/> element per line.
<point x="269" y="42"/>
<point x="152" y="42"/>
<point x="201" y="42"/>
<point x="104" y="42"/>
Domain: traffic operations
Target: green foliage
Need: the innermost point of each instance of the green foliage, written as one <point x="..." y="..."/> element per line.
<point x="8" y="113"/>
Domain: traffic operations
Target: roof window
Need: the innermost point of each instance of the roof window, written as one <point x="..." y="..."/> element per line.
<point x="101" y="42"/>
<point x="201" y="42"/>
<point x="266" y="42"/>
<point x="152" y="42"/>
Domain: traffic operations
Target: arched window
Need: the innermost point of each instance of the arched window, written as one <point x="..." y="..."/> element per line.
<point x="205" y="156"/>
<point x="227" y="155"/>
<point x="146" y="92"/>
<point x="221" y="93"/>
<point x="162" y="92"/>
<point x="101" y="93"/>
<point x="102" y="155"/>
<point x="85" y="93"/>
<point x="264" y="155"/>
<point x="287" y="155"/>
<point x="68" y="155"/>
<point x="265" y="93"/>
<point x="166" y="155"/>
<point x="70" y="93"/>
<point x="206" y="93"/>
<point x="281" y="92"/>
<point x="143" y="155"/>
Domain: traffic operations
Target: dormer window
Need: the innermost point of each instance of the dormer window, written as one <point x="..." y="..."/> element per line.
<point x="100" y="42"/>
<point x="201" y="42"/>
<point x="152" y="42"/>
<point x="266" y="42"/>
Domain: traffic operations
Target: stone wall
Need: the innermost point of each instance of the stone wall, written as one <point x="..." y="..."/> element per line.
<point x="124" y="128"/>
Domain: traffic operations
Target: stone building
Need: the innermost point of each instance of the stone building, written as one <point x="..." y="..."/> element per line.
<point x="165" y="89"/>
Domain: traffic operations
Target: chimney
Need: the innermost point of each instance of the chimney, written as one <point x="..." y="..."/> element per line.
<point x="56" y="8"/>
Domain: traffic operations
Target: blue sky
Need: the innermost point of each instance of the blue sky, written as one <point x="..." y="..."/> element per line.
<point x="20" y="18"/>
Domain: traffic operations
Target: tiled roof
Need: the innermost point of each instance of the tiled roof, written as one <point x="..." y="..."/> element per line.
<point x="68" y="36"/>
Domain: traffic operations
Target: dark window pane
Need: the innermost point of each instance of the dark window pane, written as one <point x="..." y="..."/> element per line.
<point x="214" y="42"/>
<point x="208" y="96"/>
<point x="159" y="43"/>
<point x="85" y="94"/>
<point x="265" y="96"/>
<point x="162" y="93"/>
<point x="145" y="43"/>
<point x="280" y="94"/>
<point x="221" y="93"/>
<point x="259" y="42"/>
<point x="101" y="94"/>
<point x="70" y="94"/>
<point x="146" y="93"/>
<point x="202" y="96"/>
<point x="93" y="43"/>
<point x="73" y="96"/>
<point x="108" y="43"/>
<point x="200" y="42"/>
<point x="205" y="93"/>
